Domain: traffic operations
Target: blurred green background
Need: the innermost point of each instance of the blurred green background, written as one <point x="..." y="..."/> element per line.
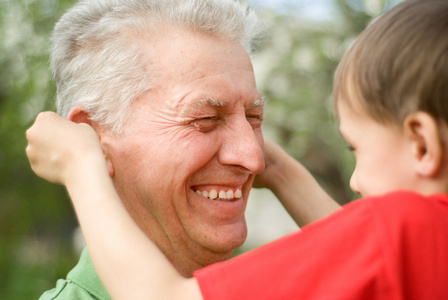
<point x="294" y="69"/>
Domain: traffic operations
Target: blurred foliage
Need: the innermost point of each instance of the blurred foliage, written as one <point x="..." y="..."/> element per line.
<point x="36" y="219"/>
<point x="294" y="70"/>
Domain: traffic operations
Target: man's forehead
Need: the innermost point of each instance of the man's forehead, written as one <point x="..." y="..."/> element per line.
<point x="211" y="102"/>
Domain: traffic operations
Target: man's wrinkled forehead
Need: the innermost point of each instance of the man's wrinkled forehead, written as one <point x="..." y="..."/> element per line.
<point x="194" y="105"/>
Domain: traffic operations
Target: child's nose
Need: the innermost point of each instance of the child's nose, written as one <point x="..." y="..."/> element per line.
<point x="354" y="184"/>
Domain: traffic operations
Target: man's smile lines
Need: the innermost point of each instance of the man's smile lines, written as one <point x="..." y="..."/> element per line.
<point x="221" y="195"/>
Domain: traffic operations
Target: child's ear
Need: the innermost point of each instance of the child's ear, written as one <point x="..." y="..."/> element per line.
<point x="427" y="149"/>
<point x="79" y="115"/>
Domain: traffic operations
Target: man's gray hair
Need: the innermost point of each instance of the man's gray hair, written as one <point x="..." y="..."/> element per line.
<point x="98" y="57"/>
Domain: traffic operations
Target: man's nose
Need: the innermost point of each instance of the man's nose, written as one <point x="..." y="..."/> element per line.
<point x="242" y="147"/>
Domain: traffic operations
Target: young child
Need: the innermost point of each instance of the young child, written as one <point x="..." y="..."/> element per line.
<point x="391" y="102"/>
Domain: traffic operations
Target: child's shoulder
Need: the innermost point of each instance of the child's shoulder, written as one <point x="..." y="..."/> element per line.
<point x="405" y="210"/>
<point x="408" y="202"/>
<point x="412" y="230"/>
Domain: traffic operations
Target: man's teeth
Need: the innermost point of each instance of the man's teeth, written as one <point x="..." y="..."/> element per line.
<point x="222" y="195"/>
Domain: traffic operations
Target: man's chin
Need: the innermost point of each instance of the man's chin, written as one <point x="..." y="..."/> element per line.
<point x="227" y="238"/>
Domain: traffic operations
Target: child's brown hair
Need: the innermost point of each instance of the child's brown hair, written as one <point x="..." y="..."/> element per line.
<point x="399" y="64"/>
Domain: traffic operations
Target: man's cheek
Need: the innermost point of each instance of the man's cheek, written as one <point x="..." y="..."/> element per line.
<point x="197" y="143"/>
<point x="260" y="138"/>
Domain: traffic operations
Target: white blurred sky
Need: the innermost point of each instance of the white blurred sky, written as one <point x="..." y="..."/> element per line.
<point x="321" y="9"/>
<point x="313" y="9"/>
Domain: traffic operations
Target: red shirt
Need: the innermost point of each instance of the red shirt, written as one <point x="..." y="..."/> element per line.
<point x="388" y="247"/>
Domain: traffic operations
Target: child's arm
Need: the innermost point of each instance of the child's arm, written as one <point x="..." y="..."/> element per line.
<point x="128" y="263"/>
<point x="295" y="187"/>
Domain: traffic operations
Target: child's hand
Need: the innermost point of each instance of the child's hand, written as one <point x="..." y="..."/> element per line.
<point x="272" y="158"/>
<point x="56" y="147"/>
<point x="294" y="186"/>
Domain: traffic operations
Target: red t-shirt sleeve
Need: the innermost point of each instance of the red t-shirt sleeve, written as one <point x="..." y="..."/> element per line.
<point x="351" y="254"/>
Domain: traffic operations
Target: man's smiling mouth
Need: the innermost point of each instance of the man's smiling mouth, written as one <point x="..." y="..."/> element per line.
<point x="221" y="195"/>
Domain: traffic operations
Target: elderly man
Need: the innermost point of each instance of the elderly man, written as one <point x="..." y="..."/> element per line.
<point x="169" y="88"/>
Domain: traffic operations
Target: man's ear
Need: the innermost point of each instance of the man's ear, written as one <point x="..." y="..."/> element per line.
<point x="79" y="115"/>
<point x="427" y="148"/>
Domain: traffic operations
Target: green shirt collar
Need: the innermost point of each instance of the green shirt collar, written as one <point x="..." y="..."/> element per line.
<point x="84" y="275"/>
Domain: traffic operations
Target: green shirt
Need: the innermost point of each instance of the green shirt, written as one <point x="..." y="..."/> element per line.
<point x="82" y="283"/>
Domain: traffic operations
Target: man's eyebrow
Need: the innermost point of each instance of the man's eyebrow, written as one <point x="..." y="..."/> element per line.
<point x="259" y="102"/>
<point x="187" y="107"/>
<point x="215" y="103"/>
<point x="209" y="102"/>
